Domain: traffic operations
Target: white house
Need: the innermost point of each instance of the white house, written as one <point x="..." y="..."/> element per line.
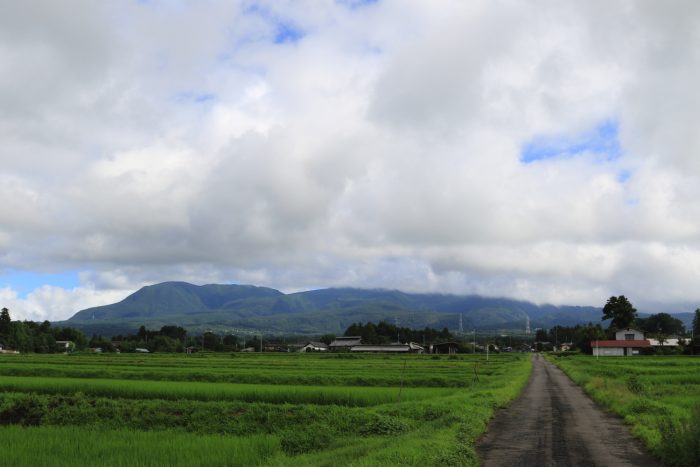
<point x="627" y="342"/>
<point x="629" y="334"/>
<point x="314" y="347"/>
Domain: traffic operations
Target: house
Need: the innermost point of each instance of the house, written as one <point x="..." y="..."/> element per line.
<point x="411" y="347"/>
<point x="65" y="346"/>
<point x="345" y="343"/>
<point x="312" y="346"/>
<point x="629" y="334"/>
<point x="565" y="346"/>
<point x="274" y="347"/>
<point x="445" y="347"/>
<point x="627" y="342"/>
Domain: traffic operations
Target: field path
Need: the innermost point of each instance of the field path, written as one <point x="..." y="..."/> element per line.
<point x="554" y="423"/>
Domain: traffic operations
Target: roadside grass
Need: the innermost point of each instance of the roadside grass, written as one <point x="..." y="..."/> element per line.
<point x="292" y="424"/>
<point x="659" y="396"/>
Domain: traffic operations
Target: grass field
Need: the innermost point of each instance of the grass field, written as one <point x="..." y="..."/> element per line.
<point x="254" y="409"/>
<point x="659" y="396"/>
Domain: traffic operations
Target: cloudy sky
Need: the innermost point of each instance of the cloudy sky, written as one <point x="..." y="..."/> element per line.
<point x="541" y="150"/>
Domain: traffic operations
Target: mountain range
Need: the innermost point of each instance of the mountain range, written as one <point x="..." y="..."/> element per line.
<point x="247" y="308"/>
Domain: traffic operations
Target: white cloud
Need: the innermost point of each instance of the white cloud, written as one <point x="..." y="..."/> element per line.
<point x="148" y="142"/>
<point x="56" y="303"/>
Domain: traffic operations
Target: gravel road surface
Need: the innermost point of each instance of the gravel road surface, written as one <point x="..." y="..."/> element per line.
<point x="554" y="423"/>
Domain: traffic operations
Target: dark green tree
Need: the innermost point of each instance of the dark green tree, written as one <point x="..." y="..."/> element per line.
<point x="327" y="338"/>
<point x="5" y="321"/>
<point x="661" y="323"/>
<point x="541" y="335"/>
<point x="696" y="324"/>
<point x="584" y="335"/>
<point x="620" y="311"/>
<point x="173" y="332"/>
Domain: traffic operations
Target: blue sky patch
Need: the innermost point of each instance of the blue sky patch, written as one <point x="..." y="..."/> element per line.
<point x="25" y="282"/>
<point x="196" y="97"/>
<point x="624" y="175"/>
<point x="602" y="140"/>
<point x="355" y="4"/>
<point x="287" y="33"/>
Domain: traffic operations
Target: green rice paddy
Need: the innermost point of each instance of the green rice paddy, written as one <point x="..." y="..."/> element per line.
<point x="254" y="409"/>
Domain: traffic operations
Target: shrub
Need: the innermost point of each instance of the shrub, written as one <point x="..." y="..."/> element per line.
<point x="384" y="425"/>
<point x="27" y="410"/>
<point x="313" y="438"/>
<point x="680" y="440"/>
<point x="635" y="385"/>
<point x="640" y="405"/>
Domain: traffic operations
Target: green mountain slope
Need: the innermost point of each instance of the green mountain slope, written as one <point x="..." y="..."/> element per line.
<point x="238" y="308"/>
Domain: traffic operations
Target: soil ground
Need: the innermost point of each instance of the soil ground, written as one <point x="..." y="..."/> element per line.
<point x="554" y="423"/>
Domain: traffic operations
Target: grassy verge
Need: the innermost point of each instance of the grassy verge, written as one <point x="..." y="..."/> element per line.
<point x="659" y="396"/>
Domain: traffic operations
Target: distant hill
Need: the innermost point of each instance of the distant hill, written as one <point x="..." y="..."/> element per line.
<point x="239" y="308"/>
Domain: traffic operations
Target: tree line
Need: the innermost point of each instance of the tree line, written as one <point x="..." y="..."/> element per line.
<point x="30" y="336"/>
<point x="386" y="333"/>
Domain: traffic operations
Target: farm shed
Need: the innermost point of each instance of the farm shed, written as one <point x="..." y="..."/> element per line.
<point x="411" y="347"/>
<point x="345" y="343"/>
<point x="445" y="347"/>
<point x="668" y="342"/>
<point x="314" y="347"/>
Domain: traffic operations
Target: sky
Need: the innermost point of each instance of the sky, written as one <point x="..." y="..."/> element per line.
<point x="545" y="150"/>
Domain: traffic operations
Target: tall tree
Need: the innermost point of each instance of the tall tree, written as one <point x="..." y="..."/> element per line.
<point x="5" y="322"/>
<point x="620" y="311"/>
<point x="696" y="324"/>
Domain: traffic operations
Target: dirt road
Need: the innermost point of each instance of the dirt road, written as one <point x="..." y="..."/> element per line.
<point x="554" y="423"/>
